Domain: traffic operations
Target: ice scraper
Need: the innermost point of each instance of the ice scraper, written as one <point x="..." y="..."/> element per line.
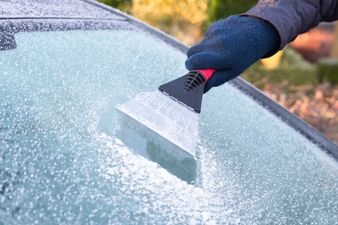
<point x="163" y="125"/>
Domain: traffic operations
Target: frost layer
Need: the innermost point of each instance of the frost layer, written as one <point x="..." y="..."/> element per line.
<point x="52" y="8"/>
<point x="61" y="163"/>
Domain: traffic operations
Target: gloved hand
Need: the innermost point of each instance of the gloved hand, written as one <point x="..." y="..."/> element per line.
<point x="231" y="45"/>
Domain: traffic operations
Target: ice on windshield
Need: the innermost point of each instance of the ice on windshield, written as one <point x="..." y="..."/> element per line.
<point x="61" y="162"/>
<point x="52" y="8"/>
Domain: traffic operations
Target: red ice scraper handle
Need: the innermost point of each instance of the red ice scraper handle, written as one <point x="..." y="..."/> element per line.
<point x="207" y="73"/>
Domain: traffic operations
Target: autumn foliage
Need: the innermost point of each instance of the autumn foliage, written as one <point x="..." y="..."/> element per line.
<point x="182" y="19"/>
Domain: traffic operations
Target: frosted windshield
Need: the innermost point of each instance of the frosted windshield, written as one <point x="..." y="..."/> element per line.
<point x="61" y="162"/>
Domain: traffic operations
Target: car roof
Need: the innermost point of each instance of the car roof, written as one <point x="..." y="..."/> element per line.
<point x="12" y="9"/>
<point x="93" y="10"/>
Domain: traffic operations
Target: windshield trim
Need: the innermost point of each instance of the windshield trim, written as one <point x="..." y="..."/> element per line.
<point x="27" y="25"/>
<point x="9" y="27"/>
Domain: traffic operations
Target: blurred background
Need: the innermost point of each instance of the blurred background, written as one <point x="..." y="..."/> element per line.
<point x="303" y="77"/>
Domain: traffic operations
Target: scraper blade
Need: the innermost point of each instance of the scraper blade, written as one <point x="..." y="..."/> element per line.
<point x="169" y="129"/>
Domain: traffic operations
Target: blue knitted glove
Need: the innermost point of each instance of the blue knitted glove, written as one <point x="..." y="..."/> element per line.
<point x="231" y="45"/>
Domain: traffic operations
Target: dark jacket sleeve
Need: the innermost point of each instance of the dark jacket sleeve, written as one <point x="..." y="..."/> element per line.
<point x="293" y="17"/>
